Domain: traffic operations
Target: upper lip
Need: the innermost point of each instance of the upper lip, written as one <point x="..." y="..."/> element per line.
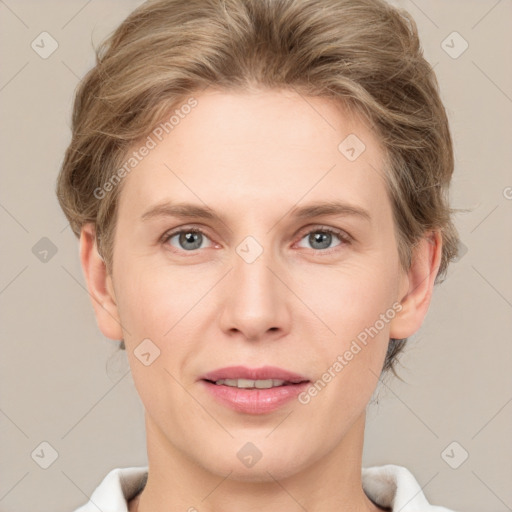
<point x="263" y="373"/>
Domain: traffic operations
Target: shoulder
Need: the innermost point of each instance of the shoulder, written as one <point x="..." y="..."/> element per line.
<point x="395" y="487"/>
<point x="116" y="489"/>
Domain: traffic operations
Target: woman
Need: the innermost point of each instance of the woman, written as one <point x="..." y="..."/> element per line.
<point x="260" y="191"/>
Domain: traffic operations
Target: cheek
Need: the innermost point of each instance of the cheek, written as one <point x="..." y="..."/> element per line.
<point x="356" y="308"/>
<point x="152" y="300"/>
<point x="349" y="298"/>
<point x="149" y="306"/>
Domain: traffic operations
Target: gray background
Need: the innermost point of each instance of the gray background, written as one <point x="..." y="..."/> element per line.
<point x="63" y="383"/>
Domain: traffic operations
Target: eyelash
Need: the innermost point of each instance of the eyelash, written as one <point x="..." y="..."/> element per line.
<point x="343" y="236"/>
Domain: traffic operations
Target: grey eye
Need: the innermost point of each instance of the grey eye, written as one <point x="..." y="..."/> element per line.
<point x="321" y="239"/>
<point x="188" y="240"/>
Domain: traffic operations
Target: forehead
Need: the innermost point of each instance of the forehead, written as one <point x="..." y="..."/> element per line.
<point x="263" y="149"/>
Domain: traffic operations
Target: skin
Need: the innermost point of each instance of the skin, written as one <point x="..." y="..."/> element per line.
<point x="252" y="157"/>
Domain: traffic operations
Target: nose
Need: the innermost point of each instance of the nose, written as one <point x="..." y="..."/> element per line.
<point x="256" y="303"/>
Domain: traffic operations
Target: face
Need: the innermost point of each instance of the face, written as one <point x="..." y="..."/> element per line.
<point x="265" y="281"/>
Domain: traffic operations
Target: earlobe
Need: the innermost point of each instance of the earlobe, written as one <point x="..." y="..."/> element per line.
<point x="99" y="285"/>
<point x="420" y="280"/>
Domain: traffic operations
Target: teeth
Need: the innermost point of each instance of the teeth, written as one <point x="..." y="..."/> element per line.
<point x="248" y="383"/>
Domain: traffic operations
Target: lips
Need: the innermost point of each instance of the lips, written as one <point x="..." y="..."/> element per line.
<point x="263" y="373"/>
<point x="253" y="391"/>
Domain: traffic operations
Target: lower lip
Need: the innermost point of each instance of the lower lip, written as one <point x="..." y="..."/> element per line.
<point x="255" y="401"/>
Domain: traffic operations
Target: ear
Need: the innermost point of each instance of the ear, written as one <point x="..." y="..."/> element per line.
<point x="99" y="284"/>
<point x="417" y="286"/>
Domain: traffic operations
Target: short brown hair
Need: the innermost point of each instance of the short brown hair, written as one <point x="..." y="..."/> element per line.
<point x="363" y="53"/>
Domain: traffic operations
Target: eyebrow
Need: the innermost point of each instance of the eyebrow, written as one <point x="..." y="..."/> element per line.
<point x="315" y="209"/>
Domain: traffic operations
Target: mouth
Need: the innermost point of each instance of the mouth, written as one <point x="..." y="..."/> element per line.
<point x="254" y="384"/>
<point x="260" y="378"/>
<point x="254" y="391"/>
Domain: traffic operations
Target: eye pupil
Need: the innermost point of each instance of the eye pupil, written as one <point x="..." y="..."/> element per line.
<point x="323" y="238"/>
<point x="189" y="237"/>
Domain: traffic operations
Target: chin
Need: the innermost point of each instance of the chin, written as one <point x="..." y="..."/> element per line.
<point x="265" y="469"/>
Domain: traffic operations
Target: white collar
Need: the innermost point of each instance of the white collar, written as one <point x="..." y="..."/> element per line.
<point x="388" y="486"/>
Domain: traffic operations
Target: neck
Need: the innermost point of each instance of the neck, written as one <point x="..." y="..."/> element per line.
<point x="175" y="482"/>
